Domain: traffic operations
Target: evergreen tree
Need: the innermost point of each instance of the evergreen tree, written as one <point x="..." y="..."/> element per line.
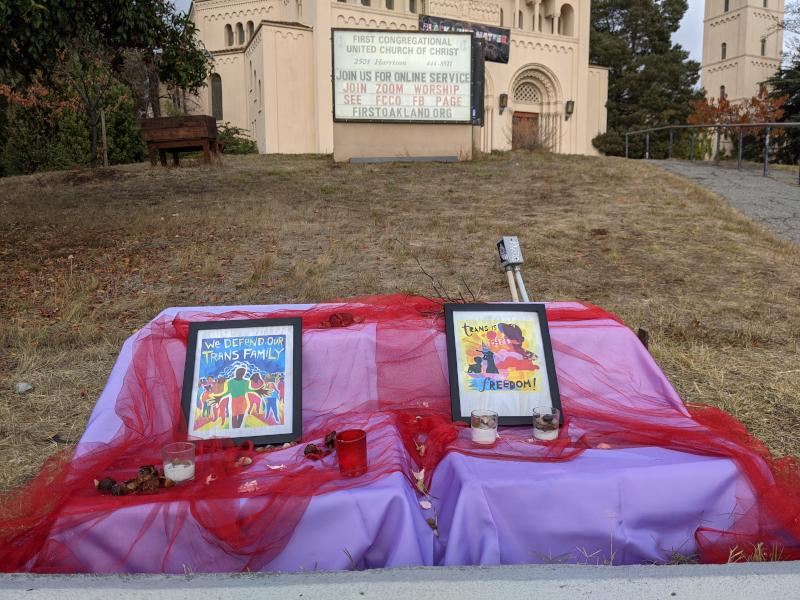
<point x="786" y="83"/>
<point x="651" y="80"/>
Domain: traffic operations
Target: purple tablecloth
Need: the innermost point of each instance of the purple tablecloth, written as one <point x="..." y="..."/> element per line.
<point x="618" y="506"/>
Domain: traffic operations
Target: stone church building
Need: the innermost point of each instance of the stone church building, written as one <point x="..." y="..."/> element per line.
<point x="272" y="69"/>
<point x="742" y="44"/>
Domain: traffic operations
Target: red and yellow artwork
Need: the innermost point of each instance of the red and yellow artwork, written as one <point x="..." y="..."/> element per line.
<point x="497" y="356"/>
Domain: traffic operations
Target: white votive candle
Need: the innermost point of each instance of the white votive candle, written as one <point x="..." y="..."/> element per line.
<point x="546" y="436"/>
<point x="484" y="436"/>
<point x="178" y="472"/>
<point x="178" y="460"/>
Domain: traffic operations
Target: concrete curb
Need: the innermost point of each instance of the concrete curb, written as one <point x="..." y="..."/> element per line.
<point x="748" y="580"/>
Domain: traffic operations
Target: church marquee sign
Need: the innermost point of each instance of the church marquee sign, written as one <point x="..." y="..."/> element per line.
<point x="402" y="76"/>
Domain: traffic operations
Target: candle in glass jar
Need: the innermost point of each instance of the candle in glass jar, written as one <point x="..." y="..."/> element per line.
<point x="545" y="423"/>
<point x="351" y="450"/>
<point x="178" y="461"/>
<point x="483" y="426"/>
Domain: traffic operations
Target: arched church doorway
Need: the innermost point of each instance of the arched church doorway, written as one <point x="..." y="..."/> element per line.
<point x="536" y="121"/>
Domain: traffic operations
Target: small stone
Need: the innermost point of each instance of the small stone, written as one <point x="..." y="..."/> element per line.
<point x="105" y="485"/>
<point x="330" y="439"/>
<point x="311" y="449"/>
<point x="23" y="387"/>
<point x="148" y="471"/>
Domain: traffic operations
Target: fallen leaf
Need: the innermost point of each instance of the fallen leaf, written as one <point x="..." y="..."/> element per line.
<point x="250" y="486"/>
<point x="244" y="461"/>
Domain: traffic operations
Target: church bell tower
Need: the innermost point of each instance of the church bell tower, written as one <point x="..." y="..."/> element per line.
<point x="742" y="44"/>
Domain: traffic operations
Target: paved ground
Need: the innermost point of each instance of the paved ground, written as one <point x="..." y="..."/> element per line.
<point x="774" y="200"/>
<point x="729" y="582"/>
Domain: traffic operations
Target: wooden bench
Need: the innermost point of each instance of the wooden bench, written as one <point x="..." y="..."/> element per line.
<point x="181" y="134"/>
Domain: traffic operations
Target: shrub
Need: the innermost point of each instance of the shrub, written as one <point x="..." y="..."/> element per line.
<point x="39" y="137"/>
<point x="236" y="140"/>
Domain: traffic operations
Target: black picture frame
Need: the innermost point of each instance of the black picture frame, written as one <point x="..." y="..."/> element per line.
<point x="292" y="328"/>
<point x="545" y="354"/>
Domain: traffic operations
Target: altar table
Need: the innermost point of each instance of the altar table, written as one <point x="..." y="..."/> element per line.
<point x="606" y="506"/>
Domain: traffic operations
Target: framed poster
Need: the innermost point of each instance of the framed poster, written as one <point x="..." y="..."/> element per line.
<point x="243" y="380"/>
<point x="500" y="358"/>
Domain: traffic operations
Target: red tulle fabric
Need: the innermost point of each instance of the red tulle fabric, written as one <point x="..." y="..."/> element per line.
<point x="412" y="402"/>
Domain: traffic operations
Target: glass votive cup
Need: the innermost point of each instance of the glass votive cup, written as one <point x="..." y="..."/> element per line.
<point x="351" y="450"/>
<point x="545" y="423"/>
<point x="483" y="426"/>
<point x="178" y="461"/>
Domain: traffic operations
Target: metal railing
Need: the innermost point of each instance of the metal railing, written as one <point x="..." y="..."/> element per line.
<point x="719" y="129"/>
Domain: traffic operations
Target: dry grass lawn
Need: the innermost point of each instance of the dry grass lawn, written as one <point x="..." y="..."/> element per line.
<point x="89" y="257"/>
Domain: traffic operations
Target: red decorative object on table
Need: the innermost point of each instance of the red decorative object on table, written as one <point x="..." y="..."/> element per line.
<point x="351" y="448"/>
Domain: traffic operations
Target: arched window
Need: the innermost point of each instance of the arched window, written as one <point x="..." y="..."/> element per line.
<point x="540" y="22"/>
<point x="566" y="21"/>
<point x="250" y="30"/>
<point x="365" y="2"/>
<point x="726" y="6"/>
<point x="722" y="94"/>
<point x="763" y="46"/>
<point x="766" y="3"/>
<point x="228" y="35"/>
<point x="389" y="4"/>
<point x="519" y="20"/>
<point x="239" y="34"/>
<point x="412" y="6"/>
<point x="501" y="17"/>
<point x="526" y="93"/>
<point x="260" y="97"/>
<point x="724" y="51"/>
<point x="216" y="96"/>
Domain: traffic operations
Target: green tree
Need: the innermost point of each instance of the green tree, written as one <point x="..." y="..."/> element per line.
<point x="34" y="34"/>
<point x="786" y="83"/>
<point x="84" y="71"/>
<point x="651" y="80"/>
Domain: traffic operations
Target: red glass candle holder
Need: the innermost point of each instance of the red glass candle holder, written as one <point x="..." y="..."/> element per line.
<point x="351" y="449"/>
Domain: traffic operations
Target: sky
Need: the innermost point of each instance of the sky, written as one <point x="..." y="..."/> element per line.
<point x="690" y="34"/>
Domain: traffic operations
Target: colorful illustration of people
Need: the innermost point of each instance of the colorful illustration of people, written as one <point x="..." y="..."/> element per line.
<point x="497" y="356"/>
<point x="240" y="401"/>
